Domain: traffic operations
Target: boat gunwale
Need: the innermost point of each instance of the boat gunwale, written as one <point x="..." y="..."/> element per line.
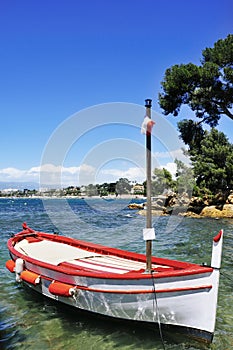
<point x="179" y="268"/>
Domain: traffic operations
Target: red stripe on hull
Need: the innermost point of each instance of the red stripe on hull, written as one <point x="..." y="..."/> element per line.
<point x="178" y="269"/>
<point x="146" y="291"/>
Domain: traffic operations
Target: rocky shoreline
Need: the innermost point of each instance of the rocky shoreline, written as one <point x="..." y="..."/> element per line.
<point x="220" y="206"/>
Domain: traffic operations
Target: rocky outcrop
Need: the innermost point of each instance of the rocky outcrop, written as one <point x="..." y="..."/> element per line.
<point x="226" y="211"/>
<point x="220" y="206"/>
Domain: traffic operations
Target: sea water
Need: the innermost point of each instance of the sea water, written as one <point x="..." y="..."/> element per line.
<point x="30" y="321"/>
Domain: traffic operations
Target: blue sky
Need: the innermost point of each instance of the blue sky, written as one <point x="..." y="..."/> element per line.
<point x="60" y="57"/>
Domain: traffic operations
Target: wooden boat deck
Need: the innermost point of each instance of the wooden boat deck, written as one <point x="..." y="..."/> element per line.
<point x="78" y="258"/>
<point x="61" y="254"/>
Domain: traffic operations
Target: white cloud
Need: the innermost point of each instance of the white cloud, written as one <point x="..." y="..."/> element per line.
<point x="132" y="174"/>
<point x="172" y="155"/>
<point x="11" y="174"/>
<point x="66" y="176"/>
<point x="171" y="167"/>
<point x="61" y="176"/>
<point x="49" y="174"/>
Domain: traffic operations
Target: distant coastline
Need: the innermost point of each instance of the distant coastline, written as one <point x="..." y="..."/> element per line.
<point x="191" y="208"/>
<point x="42" y="196"/>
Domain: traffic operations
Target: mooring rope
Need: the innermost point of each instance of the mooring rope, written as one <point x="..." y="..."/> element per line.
<point x="220" y="270"/>
<point x="157" y="311"/>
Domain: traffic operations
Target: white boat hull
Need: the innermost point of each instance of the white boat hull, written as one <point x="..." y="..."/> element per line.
<point x="186" y="299"/>
<point x="178" y="309"/>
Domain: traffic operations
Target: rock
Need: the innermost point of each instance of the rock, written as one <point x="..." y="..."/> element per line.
<point x="219" y="206"/>
<point x="190" y="214"/>
<point x="226" y="211"/>
<point x="159" y="202"/>
<point x="184" y="199"/>
<point x="230" y="199"/>
<point x="175" y="210"/>
<point x="196" y="202"/>
<point x="136" y="206"/>
<point x="153" y="212"/>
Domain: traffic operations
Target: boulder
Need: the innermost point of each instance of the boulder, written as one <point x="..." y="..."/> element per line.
<point x="230" y="199"/>
<point x="153" y="212"/>
<point x="196" y="202"/>
<point x="226" y="211"/>
<point x="135" y="206"/>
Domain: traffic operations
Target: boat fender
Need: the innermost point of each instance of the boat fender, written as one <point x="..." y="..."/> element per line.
<point x="62" y="289"/>
<point x="19" y="264"/>
<point x="30" y="277"/>
<point x="10" y="265"/>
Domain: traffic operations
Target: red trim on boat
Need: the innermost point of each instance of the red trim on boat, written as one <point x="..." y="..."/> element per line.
<point x="145" y="291"/>
<point x="26" y="228"/>
<point x="96" y="248"/>
<point x="67" y="290"/>
<point x="33" y="239"/>
<point x="10" y="265"/>
<point x="218" y="236"/>
<point x="78" y="271"/>
<point x="177" y="268"/>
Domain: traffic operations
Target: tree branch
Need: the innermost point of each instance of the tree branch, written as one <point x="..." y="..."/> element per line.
<point x="226" y="112"/>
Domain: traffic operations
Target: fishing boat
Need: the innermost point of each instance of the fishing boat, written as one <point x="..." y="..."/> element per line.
<point x="118" y="284"/>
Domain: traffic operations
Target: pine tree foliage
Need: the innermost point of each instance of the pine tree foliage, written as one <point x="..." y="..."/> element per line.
<point x="207" y="89"/>
<point x="212" y="162"/>
<point x="162" y="180"/>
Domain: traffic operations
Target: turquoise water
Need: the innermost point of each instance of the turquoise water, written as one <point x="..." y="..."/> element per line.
<point x="30" y="321"/>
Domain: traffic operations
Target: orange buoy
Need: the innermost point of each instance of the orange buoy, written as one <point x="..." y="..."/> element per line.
<point x="61" y="289"/>
<point x="10" y="265"/>
<point x="30" y="277"/>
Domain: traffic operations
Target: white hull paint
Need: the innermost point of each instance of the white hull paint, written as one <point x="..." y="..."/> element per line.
<point x="186" y="299"/>
<point x="174" y="308"/>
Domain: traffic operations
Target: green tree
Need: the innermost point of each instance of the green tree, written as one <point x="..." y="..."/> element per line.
<point x="191" y="133"/>
<point x="162" y="180"/>
<point x="102" y="189"/>
<point x="207" y="89"/>
<point x="212" y="162"/>
<point x="185" y="181"/>
<point x="91" y="190"/>
<point x="123" y="186"/>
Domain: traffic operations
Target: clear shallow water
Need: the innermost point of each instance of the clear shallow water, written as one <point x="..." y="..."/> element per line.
<point x="29" y="321"/>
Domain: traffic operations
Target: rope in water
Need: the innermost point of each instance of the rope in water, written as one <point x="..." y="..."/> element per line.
<point x="157" y="311"/>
